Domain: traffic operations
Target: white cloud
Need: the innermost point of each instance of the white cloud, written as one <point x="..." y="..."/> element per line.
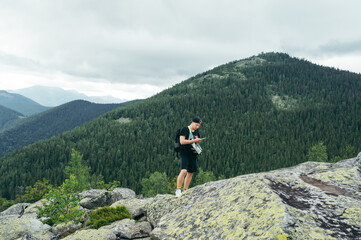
<point x="155" y="44"/>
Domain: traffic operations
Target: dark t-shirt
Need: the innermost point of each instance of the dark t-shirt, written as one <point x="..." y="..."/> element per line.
<point x="187" y="147"/>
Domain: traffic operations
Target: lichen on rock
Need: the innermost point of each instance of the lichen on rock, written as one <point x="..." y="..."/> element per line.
<point x="308" y="201"/>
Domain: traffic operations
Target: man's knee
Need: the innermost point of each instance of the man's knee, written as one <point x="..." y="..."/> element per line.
<point x="183" y="172"/>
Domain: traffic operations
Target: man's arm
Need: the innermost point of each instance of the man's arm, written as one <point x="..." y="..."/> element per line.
<point x="184" y="141"/>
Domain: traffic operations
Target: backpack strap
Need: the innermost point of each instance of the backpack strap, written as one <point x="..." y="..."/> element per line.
<point x="191" y="137"/>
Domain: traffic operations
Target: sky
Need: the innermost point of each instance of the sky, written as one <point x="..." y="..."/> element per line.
<point x="133" y="49"/>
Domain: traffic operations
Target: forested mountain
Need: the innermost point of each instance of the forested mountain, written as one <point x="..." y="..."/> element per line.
<point x="50" y="123"/>
<point x="8" y="117"/>
<point x="260" y="113"/>
<point x="20" y="103"/>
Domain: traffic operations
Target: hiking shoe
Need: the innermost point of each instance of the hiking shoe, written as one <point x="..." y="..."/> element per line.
<point x="178" y="193"/>
<point x="184" y="190"/>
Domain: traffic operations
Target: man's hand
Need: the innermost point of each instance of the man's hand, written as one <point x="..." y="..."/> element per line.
<point x="198" y="140"/>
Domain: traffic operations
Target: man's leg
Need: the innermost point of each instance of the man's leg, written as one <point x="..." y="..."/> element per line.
<point x="188" y="180"/>
<point x="180" y="178"/>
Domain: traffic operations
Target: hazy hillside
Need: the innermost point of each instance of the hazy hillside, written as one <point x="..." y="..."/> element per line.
<point x="52" y="96"/>
<point x="8" y="117"/>
<point x="51" y="123"/>
<point x="20" y="103"/>
<point x="260" y="113"/>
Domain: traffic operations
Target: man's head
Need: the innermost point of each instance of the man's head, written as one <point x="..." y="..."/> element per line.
<point x="196" y="123"/>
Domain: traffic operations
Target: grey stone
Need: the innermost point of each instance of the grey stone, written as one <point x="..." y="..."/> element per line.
<point x="122" y="193"/>
<point x="12" y="227"/>
<point x="34" y="207"/>
<point x="91" y="193"/>
<point x="92" y="199"/>
<point x="65" y="229"/>
<point x="134" y="205"/>
<point x="101" y="234"/>
<point x="130" y="229"/>
<point x="100" y="200"/>
<point x="17" y="209"/>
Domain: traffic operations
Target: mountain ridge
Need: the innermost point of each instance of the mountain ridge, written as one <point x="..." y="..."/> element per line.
<point x="21" y="104"/>
<point x="50" y="123"/>
<point x="8" y="117"/>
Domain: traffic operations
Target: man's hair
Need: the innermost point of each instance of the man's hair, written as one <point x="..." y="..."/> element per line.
<point x="197" y="120"/>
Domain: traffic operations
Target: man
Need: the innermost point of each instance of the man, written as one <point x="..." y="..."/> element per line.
<point x="188" y="158"/>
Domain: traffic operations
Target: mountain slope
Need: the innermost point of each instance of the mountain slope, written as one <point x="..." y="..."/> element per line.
<point x="260" y="113"/>
<point x="52" y="96"/>
<point x="51" y="123"/>
<point x="20" y="103"/>
<point x="8" y="117"/>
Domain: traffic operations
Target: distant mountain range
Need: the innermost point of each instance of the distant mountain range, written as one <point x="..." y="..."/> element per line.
<point x="50" y="123"/>
<point x="53" y="96"/>
<point x="20" y="103"/>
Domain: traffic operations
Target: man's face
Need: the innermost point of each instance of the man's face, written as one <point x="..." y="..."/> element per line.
<point x="196" y="125"/>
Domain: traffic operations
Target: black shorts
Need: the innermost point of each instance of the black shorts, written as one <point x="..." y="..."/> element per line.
<point x="189" y="162"/>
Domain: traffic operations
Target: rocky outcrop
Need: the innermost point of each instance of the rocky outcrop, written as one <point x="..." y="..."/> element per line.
<point x="16" y="226"/>
<point x="309" y="201"/>
<point x="95" y="198"/>
<point x="20" y="221"/>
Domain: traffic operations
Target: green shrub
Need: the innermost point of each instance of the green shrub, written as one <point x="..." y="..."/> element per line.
<point x="5" y="204"/>
<point x="157" y="183"/>
<point x="106" y="215"/>
<point x="204" y="177"/>
<point x="36" y="192"/>
<point x="317" y="153"/>
<point x="62" y="204"/>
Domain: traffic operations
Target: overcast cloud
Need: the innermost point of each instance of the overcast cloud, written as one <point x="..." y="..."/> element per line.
<point x="135" y="48"/>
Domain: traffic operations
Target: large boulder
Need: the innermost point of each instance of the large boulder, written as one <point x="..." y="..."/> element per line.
<point x="130" y="229"/>
<point x="123" y="229"/>
<point x="101" y="234"/>
<point x="16" y="209"/>
<point x="27" y="225"/>
<point x="135" y="206"/>
<point x="96" y="198"/>
<point x="308" y="201"/>
<point x="65" y="229"/>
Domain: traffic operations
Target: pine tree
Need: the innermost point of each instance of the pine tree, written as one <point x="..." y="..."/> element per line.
<point x="80" y="171"/>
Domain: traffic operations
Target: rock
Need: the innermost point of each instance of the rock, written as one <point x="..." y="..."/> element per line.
<point x="29" y="237"/>
<point x="138" y="230"/>
<point x="33" y="208"/>
<point x="13" y="226"/>
<point x="135" y="206"/>
<point x="308" y="201"/>
<point x="100" y="234"/>
<point x="160" y="206"/>
<point x="99" y="198"/>
<point x="122" y="193"/>
<point x="130" y="229"/>
<point x="17" y="209"/>
<point x="65" y="229"/>
<point x="91" y="193"/>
